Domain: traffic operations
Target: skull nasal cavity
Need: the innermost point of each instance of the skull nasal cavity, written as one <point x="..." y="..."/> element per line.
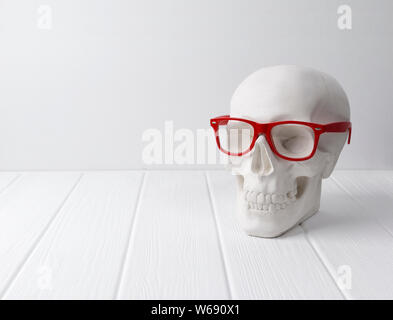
<point x="261" y="163"/>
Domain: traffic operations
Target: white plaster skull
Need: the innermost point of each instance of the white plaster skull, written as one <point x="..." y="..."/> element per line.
<point x="277" y="194"/>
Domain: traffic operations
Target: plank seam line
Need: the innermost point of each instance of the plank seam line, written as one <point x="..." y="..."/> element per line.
<point x="321" y="260"/>
<point x="36" y="243"/>
<point x="130" y="241"/>
<point x="9" y="184"/>
<point x="219" y="238"/>
<point x="349" y="193"/>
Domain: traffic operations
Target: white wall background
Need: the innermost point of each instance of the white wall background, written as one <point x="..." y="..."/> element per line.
<point x="79" y="96"/>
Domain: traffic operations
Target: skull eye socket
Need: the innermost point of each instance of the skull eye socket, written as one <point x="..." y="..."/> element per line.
<point x="235" y="136"/>
<point x="294" y="141"/>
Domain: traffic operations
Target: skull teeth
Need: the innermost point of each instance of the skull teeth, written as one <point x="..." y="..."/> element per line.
<point x="269" y="202"/>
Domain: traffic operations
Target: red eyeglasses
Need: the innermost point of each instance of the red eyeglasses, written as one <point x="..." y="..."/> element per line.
<point x="290" y="140"/>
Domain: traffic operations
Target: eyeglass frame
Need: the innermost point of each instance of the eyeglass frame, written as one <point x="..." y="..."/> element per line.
<point x="265" y="129"/>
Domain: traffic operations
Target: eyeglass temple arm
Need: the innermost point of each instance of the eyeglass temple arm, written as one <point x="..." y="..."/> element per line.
<point x="339" y="127"/>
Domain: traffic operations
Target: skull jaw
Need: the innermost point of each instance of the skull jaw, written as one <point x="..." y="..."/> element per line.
<point x="271" y="225"/>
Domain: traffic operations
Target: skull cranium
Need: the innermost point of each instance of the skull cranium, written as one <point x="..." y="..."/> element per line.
<point x="276" y="194"/>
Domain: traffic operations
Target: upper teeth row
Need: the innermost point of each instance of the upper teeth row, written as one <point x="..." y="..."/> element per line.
<point x="262" y="198"/>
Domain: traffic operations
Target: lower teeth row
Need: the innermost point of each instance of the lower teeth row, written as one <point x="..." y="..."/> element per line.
<point x="267" y="207"/>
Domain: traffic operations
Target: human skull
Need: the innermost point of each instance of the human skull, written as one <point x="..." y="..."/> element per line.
<point x="277" y="194"/>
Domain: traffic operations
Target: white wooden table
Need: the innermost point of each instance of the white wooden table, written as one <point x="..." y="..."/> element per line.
<point x="174" y="235"/>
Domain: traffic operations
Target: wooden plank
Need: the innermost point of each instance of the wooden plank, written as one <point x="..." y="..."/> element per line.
<point x="6" y="179"/>
<point x="355" y="248"/>
<point x="27" y="207"/>
<point x="281" y="268"/>
<point x="373" y="190"/>
<point x="174" y="252"/>
<point x="81" y="255"/>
